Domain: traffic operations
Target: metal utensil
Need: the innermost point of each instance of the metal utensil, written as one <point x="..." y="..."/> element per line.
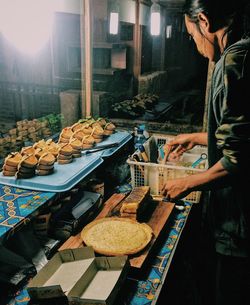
<point x="101" y="147"/>
<point x="178" y="203"/>
<point x="202" y="157"/>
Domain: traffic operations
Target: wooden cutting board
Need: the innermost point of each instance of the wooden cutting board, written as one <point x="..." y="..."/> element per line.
<point x="157" y="220"/>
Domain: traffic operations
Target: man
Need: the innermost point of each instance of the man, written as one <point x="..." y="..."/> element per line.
<point x="220" y="32"/>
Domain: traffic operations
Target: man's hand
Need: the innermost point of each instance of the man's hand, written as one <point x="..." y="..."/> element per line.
<point x="184" y="142"/>
<point x="175" y="189"/>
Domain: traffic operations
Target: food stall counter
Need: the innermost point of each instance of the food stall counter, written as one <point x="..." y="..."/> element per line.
<point x="138" y="291"/>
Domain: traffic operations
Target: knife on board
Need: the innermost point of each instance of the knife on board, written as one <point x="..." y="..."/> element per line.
<point x="178" y="203"/>
<point x="100" y="147"/>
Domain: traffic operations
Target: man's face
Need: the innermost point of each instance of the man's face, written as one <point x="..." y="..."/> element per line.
<point x="203" y="39"/>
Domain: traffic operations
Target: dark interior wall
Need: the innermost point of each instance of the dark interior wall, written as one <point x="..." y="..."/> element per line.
<point x="146" y="58"/>
<point x="177" y="50"/>
<point x="66" y="50"/>
<point x="182" y="60"/>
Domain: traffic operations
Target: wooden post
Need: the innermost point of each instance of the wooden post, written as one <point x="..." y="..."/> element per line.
<point x="86" y="57"/>
<point x="163" y="39"/>
<point x="137" y="47"/>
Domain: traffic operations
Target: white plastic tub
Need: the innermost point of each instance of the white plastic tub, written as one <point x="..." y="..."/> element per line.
<point x="155" y="174"/>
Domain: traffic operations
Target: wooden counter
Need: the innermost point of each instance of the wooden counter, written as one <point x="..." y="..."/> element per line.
<point x="161" y="212"/>
<point x="145" y="288"/>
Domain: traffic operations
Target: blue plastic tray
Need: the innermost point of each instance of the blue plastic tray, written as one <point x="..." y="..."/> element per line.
<point x="65" y="176"/>
<point x="120" y="137"/>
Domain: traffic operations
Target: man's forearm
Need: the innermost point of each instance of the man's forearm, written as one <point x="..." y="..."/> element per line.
<point x="207" y="179"/>
<point x="200" y="138"/>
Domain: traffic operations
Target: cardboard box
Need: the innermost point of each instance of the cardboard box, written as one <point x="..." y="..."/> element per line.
<point x="81" y="277"/>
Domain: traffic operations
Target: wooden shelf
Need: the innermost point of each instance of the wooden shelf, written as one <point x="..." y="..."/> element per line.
<point x="108" y="45"/>
<point x="111" y="55"/>
<point x="109" y="71"/>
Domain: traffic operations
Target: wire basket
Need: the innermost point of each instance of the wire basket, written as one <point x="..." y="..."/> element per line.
<point x="155" y="175"/>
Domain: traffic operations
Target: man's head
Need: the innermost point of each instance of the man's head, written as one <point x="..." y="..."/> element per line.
<point x="215" y="23"/>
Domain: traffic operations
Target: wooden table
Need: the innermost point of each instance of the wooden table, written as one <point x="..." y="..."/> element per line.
<point x="145" y="289"/>
<point x="161" y="212"/>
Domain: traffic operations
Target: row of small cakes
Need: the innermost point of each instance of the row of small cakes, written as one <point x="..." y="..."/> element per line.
<point x="88" y="131"/>
<point x="63" y="152"/>
<point x="28" y="165"/>
<point x="25" y="130"/>
<point x="39" y="159"/>
<point x="33" y="161"/>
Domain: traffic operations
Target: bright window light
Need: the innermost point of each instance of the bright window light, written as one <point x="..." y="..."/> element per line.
<point x="168" y="31"/>
<point x="113" y="25"/>
<point x="155" y="19"/>
<point x="155" y="24"/>
<point x="27" y="24"/>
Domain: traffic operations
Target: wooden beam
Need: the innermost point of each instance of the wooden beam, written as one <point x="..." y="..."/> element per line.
<point x="86" y="57"/>
<point x="137" y="46"/>
<point x="163" y="40"/>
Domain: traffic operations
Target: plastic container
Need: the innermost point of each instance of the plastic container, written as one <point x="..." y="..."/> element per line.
<point x="155" y="174"/>
<point x="143" y="153"/>
<point x="139" y="138"/>
<point x="144" y="131"/>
